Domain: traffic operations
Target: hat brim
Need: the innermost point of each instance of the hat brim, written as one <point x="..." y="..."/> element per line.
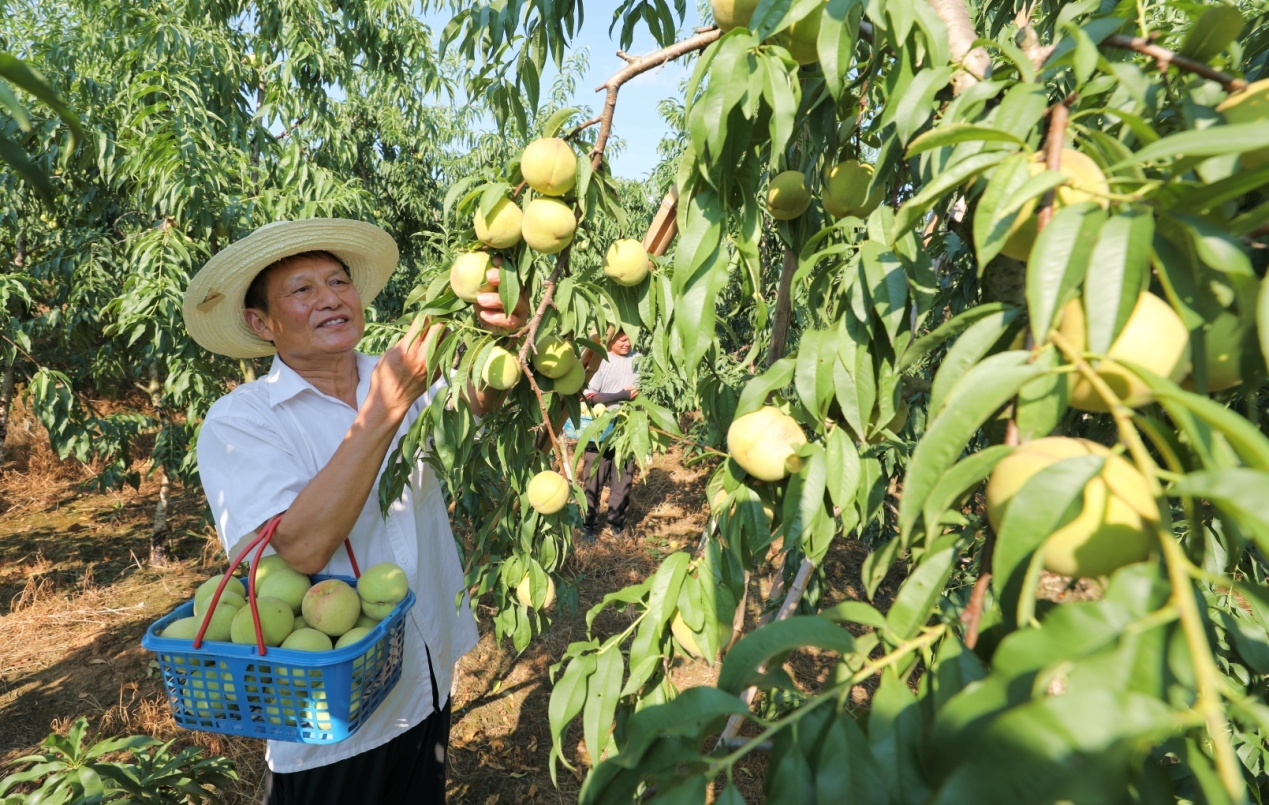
<point x="215" y="300"/>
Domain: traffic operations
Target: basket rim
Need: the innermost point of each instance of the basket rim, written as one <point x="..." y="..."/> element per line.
<point x="153" y="640"/>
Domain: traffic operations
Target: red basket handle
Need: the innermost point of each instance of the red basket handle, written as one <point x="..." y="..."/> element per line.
<point x="259" y="542"/>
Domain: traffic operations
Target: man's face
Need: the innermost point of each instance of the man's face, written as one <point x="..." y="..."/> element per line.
<point x="314" y="310"/>
<point x="620" y="345"/>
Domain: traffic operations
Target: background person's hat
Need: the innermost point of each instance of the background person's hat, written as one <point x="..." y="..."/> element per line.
<point x="214" y="301"/>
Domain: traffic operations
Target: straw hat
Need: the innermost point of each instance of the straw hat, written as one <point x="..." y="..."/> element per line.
<point x="214" y="301"/>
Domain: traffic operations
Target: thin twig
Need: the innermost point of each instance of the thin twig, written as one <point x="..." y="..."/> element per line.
<point x="581" y="128"/>
<point x="796" y="590"/>
<point x="637" y="67"/>
<point x="1166" y="58"/>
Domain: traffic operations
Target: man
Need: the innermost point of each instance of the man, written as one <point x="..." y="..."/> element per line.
<point x="309" y="441"/>
<point x="615" y="382"/>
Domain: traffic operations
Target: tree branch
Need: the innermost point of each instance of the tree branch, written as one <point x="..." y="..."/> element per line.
<point x="784" y="309"/>
<point x="975" y="61"/>
<point x="637" y="66"/>
<point x="1165" y="57"/>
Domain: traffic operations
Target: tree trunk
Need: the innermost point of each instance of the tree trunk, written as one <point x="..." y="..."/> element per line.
<point x="784" y="309"/>
<point x="6" y="397"/>
<point x="159" y="531"/>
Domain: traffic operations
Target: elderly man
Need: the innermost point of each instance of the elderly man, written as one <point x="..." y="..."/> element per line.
<point x="309" y="441"/>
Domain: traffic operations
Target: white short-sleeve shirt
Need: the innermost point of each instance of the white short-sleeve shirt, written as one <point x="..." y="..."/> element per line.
<point x="258" y="447"/>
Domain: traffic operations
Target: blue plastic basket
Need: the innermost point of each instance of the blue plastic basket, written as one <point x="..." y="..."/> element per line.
<point x="312" y="697"/>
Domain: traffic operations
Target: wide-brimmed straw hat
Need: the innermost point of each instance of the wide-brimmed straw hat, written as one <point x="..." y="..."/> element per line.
<point x="214" y="301"/>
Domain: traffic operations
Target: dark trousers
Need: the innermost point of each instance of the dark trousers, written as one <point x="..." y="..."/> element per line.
<point x="408" y="769"/>
<point x="598" y="470"/>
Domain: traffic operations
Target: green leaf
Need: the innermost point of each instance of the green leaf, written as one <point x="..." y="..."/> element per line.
<point x="886" y="283"/>
<point x="949" y="329"/>
<point x="741" y="665"/>
<point x="1044" y="401"/>
<point x="968" y="350"/>
<point x="1048" y="500"/>
<point x="13" y="154"/>
<point x="919" y="594"/>
<point x="1214" y="141"/>
<point x="982" y="392"/>
<point x="956" y="133"/>
<point x="845" y="769"/>
<point x="1058" y="262"/>
<point x="895" y="734"/>
<point x="916" y="104"/>
<point x="603" y="688"/>
<point x="556" y="121"/>
<point x="994" y="215"/>
<point x="1214" y="30"/>
<point x="758" y="389"/>
<point x="1238" y="491"/>
<point x="954" y="483"/>
<point x="839" y="34"/>
<point x="843" y="457"/>
<point x="953" y="176"/>
<point x="1117" y="273"/>
<point x="1262" y="318"/>
<point x="568" y="697"/>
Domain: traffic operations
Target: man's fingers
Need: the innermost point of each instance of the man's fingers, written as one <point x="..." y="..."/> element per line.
<point x="489" y="301"/>
<point x="492" y="277"/>
<point x="495" y="318"/>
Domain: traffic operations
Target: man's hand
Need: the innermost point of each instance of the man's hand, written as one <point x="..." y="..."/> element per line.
<point x="405" y="371"/>
<point x="489" y="310"/>
<point x="634" y="392"/>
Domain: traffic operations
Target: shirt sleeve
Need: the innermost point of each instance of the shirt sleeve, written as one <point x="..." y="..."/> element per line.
<point x="249" y="474"/>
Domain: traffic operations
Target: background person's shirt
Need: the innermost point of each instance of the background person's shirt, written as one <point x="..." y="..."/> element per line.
<point x="258" y="447"/>
<point x="615" y="375"/>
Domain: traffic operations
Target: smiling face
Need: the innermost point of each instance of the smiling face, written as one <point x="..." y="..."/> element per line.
<point x="314" y="310"/>
<point x="620" y="345"/>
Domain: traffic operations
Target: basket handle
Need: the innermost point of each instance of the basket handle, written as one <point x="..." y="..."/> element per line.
<point x="258" y="543"/>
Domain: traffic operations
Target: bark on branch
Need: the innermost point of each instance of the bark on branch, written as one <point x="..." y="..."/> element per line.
<point x="961" y="35"/>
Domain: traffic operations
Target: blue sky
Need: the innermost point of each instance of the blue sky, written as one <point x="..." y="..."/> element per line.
<point x="637" y="121"/>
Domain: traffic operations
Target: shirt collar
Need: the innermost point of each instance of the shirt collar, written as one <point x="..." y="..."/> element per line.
<point x="284" y="383"/>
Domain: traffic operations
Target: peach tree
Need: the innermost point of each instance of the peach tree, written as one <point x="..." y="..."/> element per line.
<point x="974" y="289"/>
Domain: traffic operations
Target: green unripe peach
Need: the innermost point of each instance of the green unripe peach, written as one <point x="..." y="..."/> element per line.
<point x="501" y="228"/>
<point x="381" y="588"/>
<point x="183" y="629"/>
<point x="787" y="196"/>
<point x="554" y="357"/>
<point x="222" y="618"/>
<point x="1224" y="342"/>
<point x="331" y="606"/>
<point x="286" y="585"/>
<point x="307" y="640"/>
<point x="549" y="166"/>
<point x="730" y="14"/>
<point x="765" y="443"/>
<point x="468" y="275"/>
<point x="846" y="190"/>
<point x="299" y="623"/>
<point x="687" y="638"/>
<point x="501" y="370"/>
<point x="367" y="621"/>
<point x="801" y="37"/>
<point x="1115" y="526"/>
<point x="352" y="636"/>
<point x="572" y="381"/>
<point x="234" y="594"/>
<point x="268" y="564"/>
<point x="1154" y="337"/>
<point x="626" y="262"/>
<point x="276" y="620"/>
<point x="548" y="492"/>
<point x="548" y="226"/>
<point x="524" y="592"/>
